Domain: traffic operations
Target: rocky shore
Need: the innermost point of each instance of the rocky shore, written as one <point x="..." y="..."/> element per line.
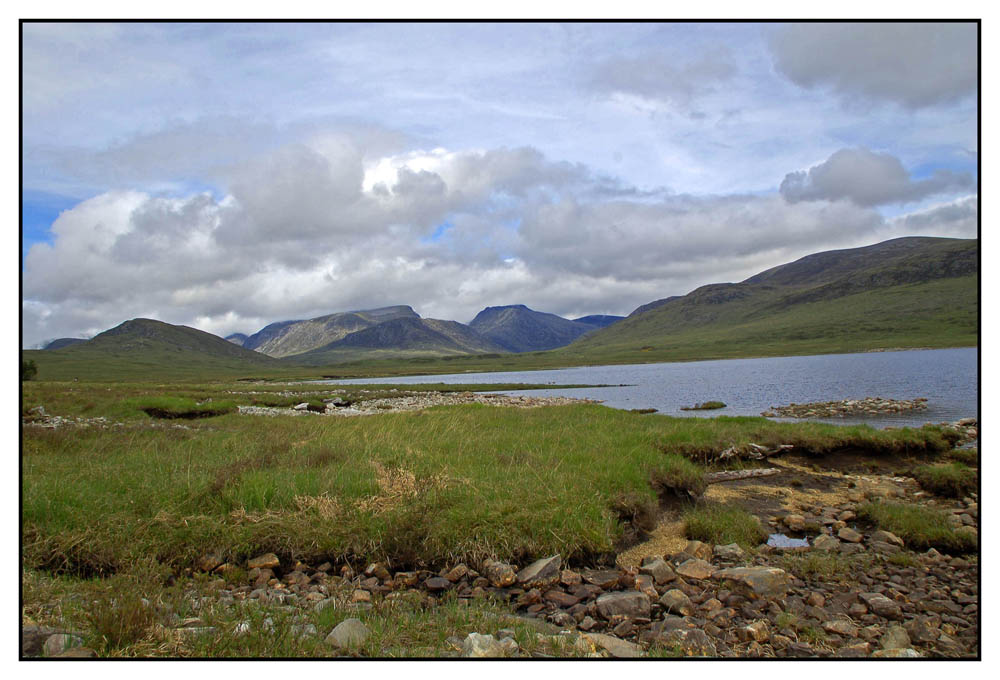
<point x="846" y="407"/>
<point x="367" y="407"/>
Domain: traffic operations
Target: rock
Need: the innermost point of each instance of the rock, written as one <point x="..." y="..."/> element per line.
<point x="500" y="574"/>
<point x="882" y="606"/>
<point x="644" y="583"/>
<point x="756" y="631"/>
<point x="850" y="535"/>
<point x="921" y="631"/>
<point x="561" y="599"/>
<point x="348" y="634"/>
<point x="760" y="581"/>
<point x="541" y="572"/>
<point x="437" y="584"/>
<point x="300" y="630"/>
<point x="690" y="642"/>
<point x="815" y="599"/>
<point x="457" y="573"/>
<point x="602" y="578"/>
<point x="77" y="653"/>
<point x="265" y="561"/>
<point x="896" y="654"/>
<point x="628" y="605"/>
<point x="33" y="639"/>
<point x="698" y="550"/>
<point x="887" y="537"/>
<point x="730" y="552"/>
<point x="695" y="568"/>
<point x="568" y="577"/>
<point x="659" y="569"/>
<point x="379" y="571"/>
<point x="826" y="543"/>
<point x="476" y="646"/>
<point x="895" y="637"/>
<point x="616" y="647"/>
<point x="855" y="650"/>
<point x="209" y="562"/>
<point x="840" y="627"/>
<point x="676" y="602"/>
<point x="794" y="522"/>
<point x="60" y="642"/>
<point x="304" y="406"/>
<point x="851" y="548"/>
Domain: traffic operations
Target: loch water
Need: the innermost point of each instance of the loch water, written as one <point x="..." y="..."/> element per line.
<point x="948" y="378"/>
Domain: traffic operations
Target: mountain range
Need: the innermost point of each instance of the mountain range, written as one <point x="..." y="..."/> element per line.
<point x="908" y="292"/>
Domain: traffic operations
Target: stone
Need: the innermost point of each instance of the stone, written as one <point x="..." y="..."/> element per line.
<point x="887" y="537"/>
<point x="815" y="599"/>
<point x="882" y="606"/>
<point x="627" y="604"/>
<point x="690" y="642"/>
<point x="361" y="596"/>
<point x="476" y="646"/>
<point x="883" y="548"/>
<point x="560" y="598"/>
<point x="209" y="562"/>
<point x="77" y="653"/>
<point x="756" y="631"/>
<point x="659" y="569"/>
<point x="568" y="577"/>
<point x="840" y="627"/>
<point x="644" y="583"/>
<point x="407" y="579"/>
<point x="60" y="642"/>
<point x="850" y="535"/>
<point x="457" y="573"/>
<point x="695" y="568"/>
<point x="602" y="578"/>
<point x="920" y="630"/>
<point x="676" y="602"/>
<point x="698" y="550"/>
<point x="541" y="572"/>
<point x="760" y="581"/>
<point x="855" y="650"/>
<point x="500" y="574"/>
<point x="348" y="634"/>
<point x="437" y="584"/>
<point x="730" y="552"/>
<point x="895" y="637"/>
<point x="896" y="654"/>
<point x="826" y="542"/>
<point x="851" y="548"/>
<point x="265" y="561"/>
<point x="794" y="522"/>
<point x="33" y="639"/>
<point x="616" y="647"/>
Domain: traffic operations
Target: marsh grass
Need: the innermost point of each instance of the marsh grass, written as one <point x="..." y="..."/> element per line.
<point x="968" y="457"/>
<point x="181" y="407"/>
<point x="919" y="526"/>
<point x="952" y="480"/>
<point x="723" y="524"/>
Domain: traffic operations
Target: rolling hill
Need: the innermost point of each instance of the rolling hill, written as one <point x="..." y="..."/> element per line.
<point x="150" y="348"/>
<point x="907" y="292"/>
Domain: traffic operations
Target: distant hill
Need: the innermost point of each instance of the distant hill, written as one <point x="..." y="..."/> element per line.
<point x="64" y="342"/>
<point x="237" y="338"/>
<point x="907" y="292"/>
<point x="287" y="338"/>
<point x="519" y="329"/>
<point x="148" y="347"/>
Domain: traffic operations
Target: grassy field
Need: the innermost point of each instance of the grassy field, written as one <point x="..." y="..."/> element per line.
<point x="440" y="486"/>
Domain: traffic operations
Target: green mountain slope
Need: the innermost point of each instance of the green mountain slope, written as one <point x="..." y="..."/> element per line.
<point x="149" y="348"/>
<point x="909" y="292"/>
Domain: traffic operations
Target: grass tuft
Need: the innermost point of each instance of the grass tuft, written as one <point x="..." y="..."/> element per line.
<point x="181" y="407"/>
<point x="705" y="406"/>
<point x="678" y="476"/>
<point x="920" y="527"/>
<point x="952" y="480"/>
<point x="723" y="524"/>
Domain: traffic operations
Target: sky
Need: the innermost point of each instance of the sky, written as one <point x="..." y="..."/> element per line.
<point x="226" y="176"/>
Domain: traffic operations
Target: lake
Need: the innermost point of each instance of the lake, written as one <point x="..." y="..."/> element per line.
<point x="948" y="378"/>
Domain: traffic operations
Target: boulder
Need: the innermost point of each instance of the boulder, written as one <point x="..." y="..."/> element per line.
<point x="895" y="637"/>
<point x="850" y="535"/>
<point x="690" y="642"/>
<point x="759" y="581"/>
<point x="628" y="604"/>
<point x="896" y="654"/>
<point x="676" y="602"/>
<point x="265" y="561"/>
<point x="826" y="543"/>
<point x="731" y="552"/>
<point x="616" y="647"/>
<point x="348" y="634"/>
<point x="476" y="646"/>
<point x="880" y="605"/>
<point x="61" y="642"/>
<point x="659" y="569"/>
<point x="541" y="572"/>
<point x="887" y="537"/>
<point x="500" y="574"/>
<point x="695" y="568"/>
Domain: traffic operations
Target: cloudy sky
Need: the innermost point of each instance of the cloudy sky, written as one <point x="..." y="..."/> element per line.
<point x="225" y="176"/>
